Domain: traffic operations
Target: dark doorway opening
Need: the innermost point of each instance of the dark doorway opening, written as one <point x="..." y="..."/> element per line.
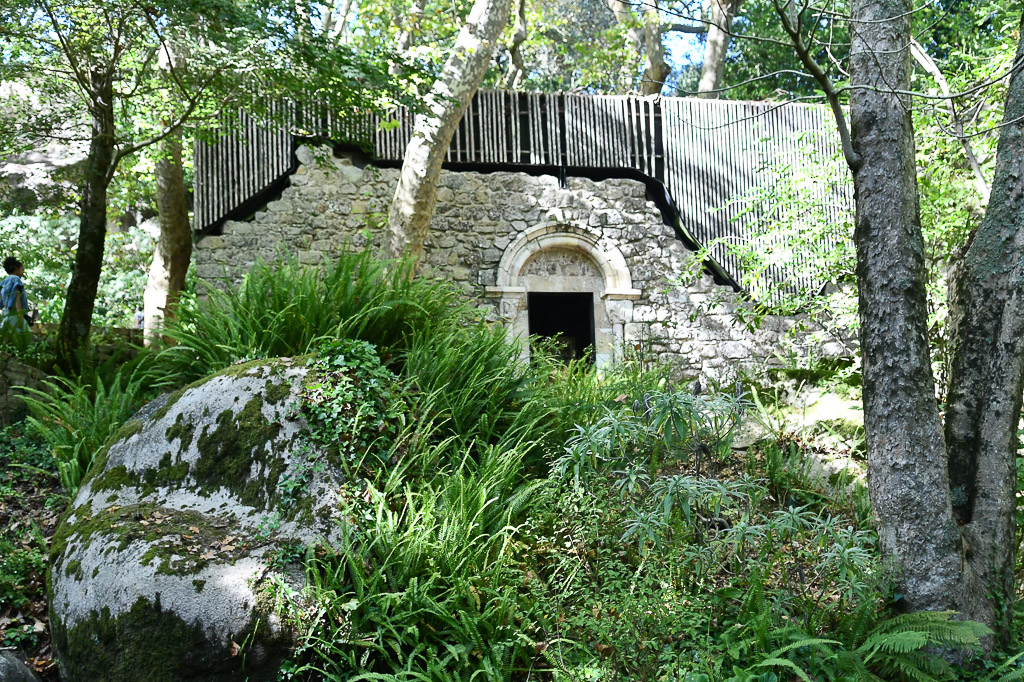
<point x="570" y="317"/>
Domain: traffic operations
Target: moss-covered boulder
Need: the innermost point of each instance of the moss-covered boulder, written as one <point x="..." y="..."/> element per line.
<point x="166" y="564"/>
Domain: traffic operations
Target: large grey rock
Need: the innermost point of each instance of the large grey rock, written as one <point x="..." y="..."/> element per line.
<point x="13" y="670"/>
<point x="162" y="568"/>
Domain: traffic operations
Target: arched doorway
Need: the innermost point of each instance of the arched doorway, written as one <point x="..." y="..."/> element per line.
<point x="555" y="279"/>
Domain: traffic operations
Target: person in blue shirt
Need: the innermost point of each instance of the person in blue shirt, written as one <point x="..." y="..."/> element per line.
<point x="13" y="299"/>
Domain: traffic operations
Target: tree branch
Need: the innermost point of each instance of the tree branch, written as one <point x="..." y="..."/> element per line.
<point x="685" y="28"/>
<point x="83" y="82"/>
<point x="929" y="65"/>
<point x="831" y="95"/>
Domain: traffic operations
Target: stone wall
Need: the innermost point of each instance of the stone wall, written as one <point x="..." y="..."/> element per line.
<point x="15" y="377"/>
<point x="503" y="235"/>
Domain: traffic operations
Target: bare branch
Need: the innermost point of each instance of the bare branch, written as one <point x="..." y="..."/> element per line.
<point x="80" y="77"/>
<point x="685" y="28"/>
<point x="826" y="85"/>
<point x="929" y="65"/>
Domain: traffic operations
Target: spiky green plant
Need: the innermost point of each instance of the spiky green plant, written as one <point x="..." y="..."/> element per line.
<point x="77" y="418"/>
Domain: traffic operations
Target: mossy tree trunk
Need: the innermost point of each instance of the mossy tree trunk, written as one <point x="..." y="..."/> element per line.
<point x="76" y="322"/>
<point x="987" y="378"/>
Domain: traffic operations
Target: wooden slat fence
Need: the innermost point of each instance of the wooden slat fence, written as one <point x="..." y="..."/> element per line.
<point x="706" y="152"/>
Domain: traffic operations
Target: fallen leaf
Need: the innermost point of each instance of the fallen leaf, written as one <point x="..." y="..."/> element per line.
<point x="235" y="649"/>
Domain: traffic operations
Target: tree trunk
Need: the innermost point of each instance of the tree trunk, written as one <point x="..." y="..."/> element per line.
<point x="335" y="23"/>
<point x="517" y="69"/>
<point x="646" y="42"/>
<point x="655" y="68"/>
<point x="76" y="321"/>
<point x="173" y="251"/>
<point x="416" y="194"/>
<point x="987" y="378"/>
<point x="716" y="46"/>
<point x="907" y="467"/>
<point x="411" y="25"/>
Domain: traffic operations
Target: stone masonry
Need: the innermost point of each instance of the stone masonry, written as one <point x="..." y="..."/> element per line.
<point x="503" y="235"/>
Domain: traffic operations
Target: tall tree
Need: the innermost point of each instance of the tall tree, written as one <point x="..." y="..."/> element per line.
<point x="416" y="193"/>
<point x="644" y="36"/>
<point x="716" y="45"/>
<point x="172" y="252"/>
<point x="517" y="68"/>
<point x="943" y="493"/>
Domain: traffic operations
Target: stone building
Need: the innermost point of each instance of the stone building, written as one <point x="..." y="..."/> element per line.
<point x="596" y="261"/>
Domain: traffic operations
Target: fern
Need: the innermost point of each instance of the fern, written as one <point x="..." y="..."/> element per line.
<point x="903" y="646"/>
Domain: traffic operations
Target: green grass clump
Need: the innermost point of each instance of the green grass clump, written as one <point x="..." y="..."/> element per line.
<point x="285" y="309"/>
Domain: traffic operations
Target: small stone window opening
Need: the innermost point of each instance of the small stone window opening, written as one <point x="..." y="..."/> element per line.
<point x="566" y="317"/>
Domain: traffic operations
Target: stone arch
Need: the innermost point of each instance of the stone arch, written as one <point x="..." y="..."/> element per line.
<point x="608" y="259"/>
<point x="613" y="296"/>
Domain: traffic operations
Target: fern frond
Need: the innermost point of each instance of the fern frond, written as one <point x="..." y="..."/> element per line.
<point x="785" y="663"/>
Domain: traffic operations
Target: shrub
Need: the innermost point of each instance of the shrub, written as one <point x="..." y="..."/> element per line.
<point x="285" y="309"/>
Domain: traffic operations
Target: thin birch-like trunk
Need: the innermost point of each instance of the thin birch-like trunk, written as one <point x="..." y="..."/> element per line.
<point x="416" y="194"/>
<point x="517" y="70"/>
<point x="173" y="251"/>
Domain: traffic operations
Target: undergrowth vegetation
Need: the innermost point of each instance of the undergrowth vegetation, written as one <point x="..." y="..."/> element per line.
<point x="518" y="521"/>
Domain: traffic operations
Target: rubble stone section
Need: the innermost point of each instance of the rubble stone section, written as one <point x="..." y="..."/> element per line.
<point x="332" y="204"/>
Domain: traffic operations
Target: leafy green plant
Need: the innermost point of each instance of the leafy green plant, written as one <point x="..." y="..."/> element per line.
<point x="76" y="419"/>
<point x="284" y="309"/>
<point x="353" y="404"/>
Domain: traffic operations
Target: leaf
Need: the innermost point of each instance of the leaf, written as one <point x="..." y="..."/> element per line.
<point x="785" y="663"/>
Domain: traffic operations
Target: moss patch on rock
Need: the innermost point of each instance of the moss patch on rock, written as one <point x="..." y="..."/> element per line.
<point x="130" y="428"/>
<point x="182" y="542"/>
<point x="181" y="431"/>
<point x="229" y="453"/>
<point x="276" y="392"/>
<point x="152" y="644"/>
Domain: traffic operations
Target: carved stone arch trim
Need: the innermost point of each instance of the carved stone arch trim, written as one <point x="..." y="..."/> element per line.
<point x="618" y="283"/>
